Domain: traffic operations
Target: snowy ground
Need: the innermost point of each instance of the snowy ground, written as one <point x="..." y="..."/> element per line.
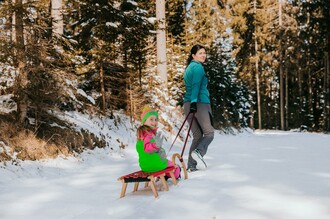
<point x="260" y="175"/>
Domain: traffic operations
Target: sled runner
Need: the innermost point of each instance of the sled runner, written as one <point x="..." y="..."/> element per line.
<point x="151" y="178"/>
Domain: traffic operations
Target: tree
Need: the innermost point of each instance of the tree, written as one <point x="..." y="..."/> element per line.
<point x="313" y="22"/>
<point x="32" y="52"/>
<point x="109" y="32"/>
<point x="229" y="97"/>
<point x="22" y="81"/>
<point x="176" y="49"/>
<point x="240" y="18"/>
<point x="57" y="18"/>
<point x="161" y="41"/>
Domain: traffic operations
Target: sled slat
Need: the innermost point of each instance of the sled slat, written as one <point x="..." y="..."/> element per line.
<point x="148" y="178"/>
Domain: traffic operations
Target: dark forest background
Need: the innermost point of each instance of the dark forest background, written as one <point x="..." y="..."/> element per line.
<point x="268" y="61"/>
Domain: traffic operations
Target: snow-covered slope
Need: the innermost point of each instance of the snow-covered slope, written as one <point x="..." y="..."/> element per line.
<point x="260" y="175"/>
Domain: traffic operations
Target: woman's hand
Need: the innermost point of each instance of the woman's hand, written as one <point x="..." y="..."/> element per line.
<point x="193" y="107"/>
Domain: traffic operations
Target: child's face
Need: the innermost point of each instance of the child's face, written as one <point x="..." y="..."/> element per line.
<point x="152" y="121"/>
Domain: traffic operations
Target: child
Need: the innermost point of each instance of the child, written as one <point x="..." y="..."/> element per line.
<point x="152" y="156"/>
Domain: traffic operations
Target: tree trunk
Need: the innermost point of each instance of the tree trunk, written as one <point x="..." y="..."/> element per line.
<point x="301" y="98"/>
<point x="281" y="68"/>
<point x="102" y="88"/>
<point x="327" y="91"/>
<point x="327" y="77"/>
<point x="309" y="80"/>
<point x="252" y="117"/>
<point x="310" y="91"/>
<point x="13" y="24"/>
<point x="161" y="41"/>
<point x="258" y="83"/>
<point x="129" y="88"/>
<point x="57" y="17"/>
<point x="286" y="99"/>
<point x="257" y="70"/>
<point x="22" y="79"/>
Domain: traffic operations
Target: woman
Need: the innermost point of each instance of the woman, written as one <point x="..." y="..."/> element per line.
<point x="197" y="100"/>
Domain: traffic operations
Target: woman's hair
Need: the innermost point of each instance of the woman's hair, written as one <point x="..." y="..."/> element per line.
<point x="193" y="51"/>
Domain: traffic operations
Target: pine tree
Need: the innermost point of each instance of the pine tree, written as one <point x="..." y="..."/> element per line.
<point x="109" y="32"/>
<point x="31" y="49"/>
<point x="175" y="19"/>
<point x="203" y="23"/>
<point x="313" y="48"/>
<point x="239" y="17"/>
<point x="229" y="97"/>
<point x="176" y="55"/>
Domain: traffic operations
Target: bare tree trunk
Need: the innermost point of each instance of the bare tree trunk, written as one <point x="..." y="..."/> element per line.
<point x="161" y="41"/>
<point x="57" y="17"/>
<point x="326" y="107"/>
<point x="257" y="70"/>
<point x="258" y="84"/>
<point x="327" y="79"/>
<point x="281" y="68"/>
<point x="286" y="98"/>
<point x="327" y="91"/>
<point x="129" y="88"/>
<point x="310" y="89"/>
<point x="309" y="80"/>
<point x="102" y="88"/>
<point x="252" y="117"/>
<point x="13" y="21"/>
<point x="300" y="95"/>
<point x="22" y="79"/>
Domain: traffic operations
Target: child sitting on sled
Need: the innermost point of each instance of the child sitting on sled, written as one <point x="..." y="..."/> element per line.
<point x="152" y="156"/>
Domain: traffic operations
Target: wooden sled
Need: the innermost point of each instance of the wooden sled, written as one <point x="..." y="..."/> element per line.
<point x="150" y="178"/>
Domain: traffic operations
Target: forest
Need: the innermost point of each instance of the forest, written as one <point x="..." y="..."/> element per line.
<point x="267" y="61"/>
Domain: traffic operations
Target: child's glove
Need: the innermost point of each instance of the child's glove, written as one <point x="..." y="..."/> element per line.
<point x="159" y="138"/>
<point x="162" y="153"/>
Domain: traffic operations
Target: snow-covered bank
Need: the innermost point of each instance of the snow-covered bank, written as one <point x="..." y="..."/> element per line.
<point x="261" y="175"/>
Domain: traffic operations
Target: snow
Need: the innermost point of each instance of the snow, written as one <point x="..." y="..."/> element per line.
<point x="82" y="92"/>
<point x="7" y="105"/>
<point x="251" y="175"/>
<point x="112" y="24"/>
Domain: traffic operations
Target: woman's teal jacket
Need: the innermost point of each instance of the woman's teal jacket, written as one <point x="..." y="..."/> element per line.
<point x="196" y="83"/>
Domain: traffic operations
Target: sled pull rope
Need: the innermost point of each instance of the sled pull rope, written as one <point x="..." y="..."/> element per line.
<point x="185" y="143"/>
<point x="180" y="131"/>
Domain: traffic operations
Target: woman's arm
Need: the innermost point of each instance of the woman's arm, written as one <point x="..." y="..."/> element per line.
<point x="198" y="74"/>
